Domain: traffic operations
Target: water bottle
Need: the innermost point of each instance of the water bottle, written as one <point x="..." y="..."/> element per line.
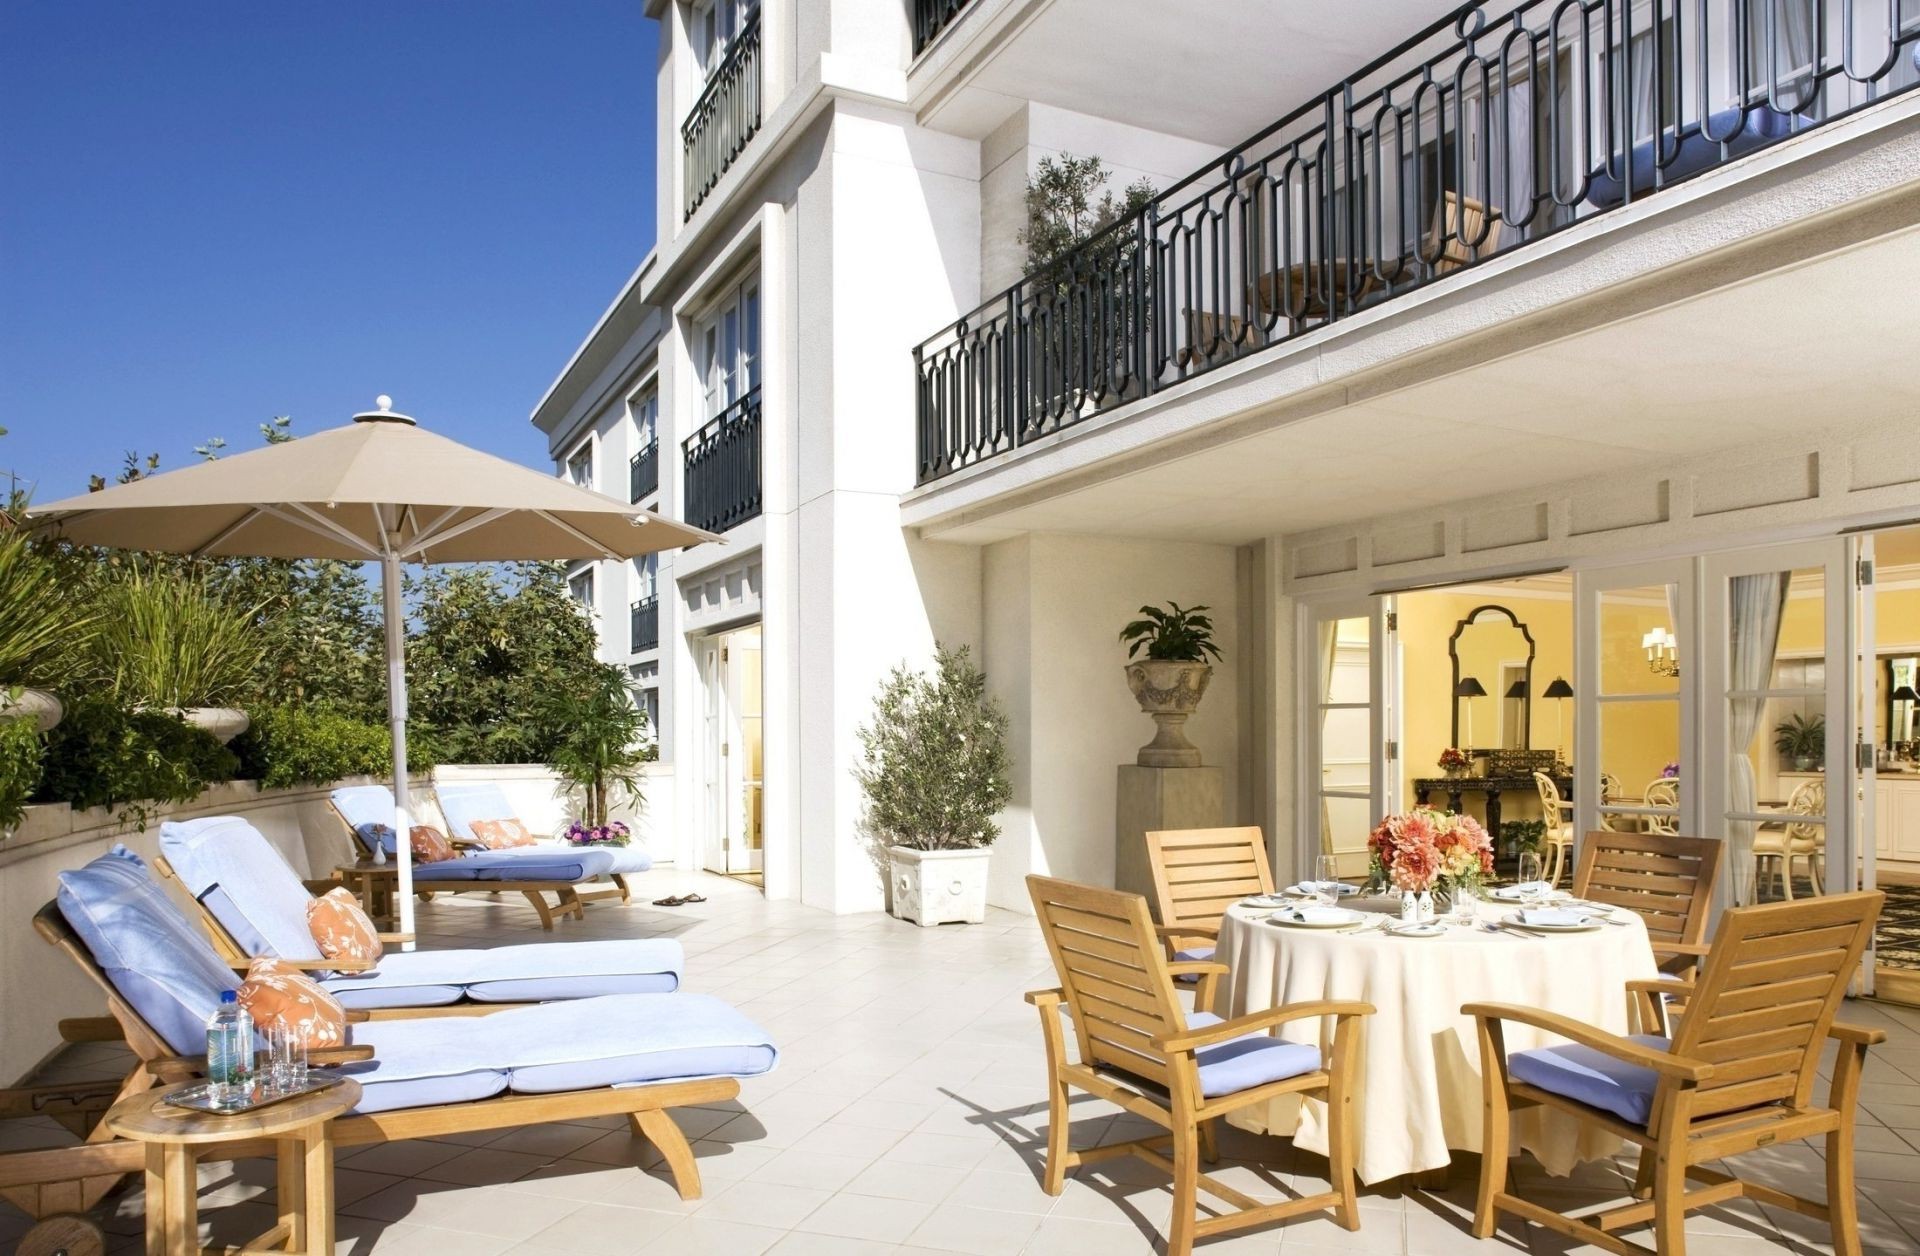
<point x="230" y="1052"/>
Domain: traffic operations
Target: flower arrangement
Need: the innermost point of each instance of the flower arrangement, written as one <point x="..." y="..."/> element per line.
<point x="612" y="833"/>
<point x="1455" y="761"/>
<point x="1671" y="772"/>
<point x="1427" y="849"/>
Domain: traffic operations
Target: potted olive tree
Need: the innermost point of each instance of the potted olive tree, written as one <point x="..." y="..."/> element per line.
<point x="1170" y="681"/>
<point x="935" y="774"/>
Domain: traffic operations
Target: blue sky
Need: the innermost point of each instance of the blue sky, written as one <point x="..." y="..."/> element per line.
<point x="216" y="211"/>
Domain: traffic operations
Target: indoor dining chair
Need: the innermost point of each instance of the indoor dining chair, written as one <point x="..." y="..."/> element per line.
<point x="1738" y="1075"/>
<point x="1663" y="792"/>
<point x="1558" y="814"/>
<point x="1664" y="879"/>
<point x="1197" y="875"/>
<point x="1138" y="1049"/>
<point x="1779" y="849"/>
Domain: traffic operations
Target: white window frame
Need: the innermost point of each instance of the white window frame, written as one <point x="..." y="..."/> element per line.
<point x="727" y="346"/>
<point x="582" y="454"/>
<point x="584" y="579"/>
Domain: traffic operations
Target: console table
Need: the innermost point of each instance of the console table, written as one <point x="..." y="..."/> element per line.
<point x="1455" y="787"/>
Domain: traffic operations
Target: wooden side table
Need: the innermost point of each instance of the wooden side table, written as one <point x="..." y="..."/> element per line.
<point x="175" y="1138"/>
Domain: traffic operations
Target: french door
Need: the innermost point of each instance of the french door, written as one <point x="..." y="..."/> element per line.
<point x="1349" y="746"/>
<point x="732" y="751"/>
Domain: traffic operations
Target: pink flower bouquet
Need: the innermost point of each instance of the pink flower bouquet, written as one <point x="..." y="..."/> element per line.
<point x="613" y="833"/>
<point x="1427" y="849"/>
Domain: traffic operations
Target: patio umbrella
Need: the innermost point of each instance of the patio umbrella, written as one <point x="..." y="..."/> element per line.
<point x="380" y="489"/>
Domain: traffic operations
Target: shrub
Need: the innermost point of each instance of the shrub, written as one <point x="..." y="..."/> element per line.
<point x="167" y="641"/>
<point x="44" y="625"/>
<point x="935" y="772"/>
<point x="314" y="746"/>
<point x="21" y="756"/>
<point x="102" y="756"/>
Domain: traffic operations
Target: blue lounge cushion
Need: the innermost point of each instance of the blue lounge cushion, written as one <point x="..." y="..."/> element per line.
<point x="1693" y="148"/>
<point x="529" y="973"/>
<point x="464" y="802"/>
<point x="540" y="863"/>
<point x="617" y="1040"/>
<point x="368" y="810"/>
<point x="151" y="954"/>
<point x="264" y="904"/>
<point x="1592" y="1077"/>
<point x="1252" y="1060"/>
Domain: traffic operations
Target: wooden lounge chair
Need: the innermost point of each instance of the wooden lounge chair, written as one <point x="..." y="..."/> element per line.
<point x="252" y="905"/>
<point x="1197" y="875"/>
<point x="58" y="1182"/>
<point x="1140" y="1050"/>
<point x="1664" y="879"/>
<point x="466" y="804"/>
<point x="1738" y="1075"/>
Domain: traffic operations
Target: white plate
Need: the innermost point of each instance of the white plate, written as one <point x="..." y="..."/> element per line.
<point x="1428" y="930"/>
<point x="1316" y="918"/>
<point x="1265" y="900"/>
<point x="1586" y="925"/>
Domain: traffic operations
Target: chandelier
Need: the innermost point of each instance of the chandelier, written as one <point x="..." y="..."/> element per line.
<point x="1663" y="653"/>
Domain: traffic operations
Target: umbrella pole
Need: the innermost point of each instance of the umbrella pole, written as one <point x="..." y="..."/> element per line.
<point x="395" y="616"/>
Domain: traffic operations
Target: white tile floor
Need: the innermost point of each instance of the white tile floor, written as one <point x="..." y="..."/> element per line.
<point x="907" y="1117"/>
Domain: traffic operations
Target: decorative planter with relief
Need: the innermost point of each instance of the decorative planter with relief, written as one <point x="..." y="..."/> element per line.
<point x="31" y="704"/>
<point x="937" y="887"/>
<point x="225" y="723"/>
<point x="1169" y="690"/>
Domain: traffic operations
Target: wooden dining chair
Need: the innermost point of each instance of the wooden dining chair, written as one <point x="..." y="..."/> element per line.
<point x="1558" y="813"/>
<point x="1138" y="1049"/>
<point x="1664" y="879"/>
<point x="1737" y="1075"/>
<point x="1778" y="850"/>
<point x="1197" y="875"/>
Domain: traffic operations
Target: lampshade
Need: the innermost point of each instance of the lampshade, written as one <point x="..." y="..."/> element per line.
<point x="1905" y="693"/>
<point x="1469" y="687"/>
<point x="1518" y="689"/>
<point x="1559" y="688"/>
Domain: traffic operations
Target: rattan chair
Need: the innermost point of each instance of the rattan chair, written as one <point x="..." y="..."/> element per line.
<point x="1140" y="1050"/>
<point x="1737" y="1075"/>
<point x="1197" y="875"/>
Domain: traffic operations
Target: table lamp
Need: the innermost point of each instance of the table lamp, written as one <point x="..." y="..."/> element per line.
<point x="1561" y="690"/>
<point x="1469" y="688"/>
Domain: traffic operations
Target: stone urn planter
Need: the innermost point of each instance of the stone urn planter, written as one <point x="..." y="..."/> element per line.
<point x="1170" y="691"/>
<point x="33" y="704"/>
<point x="225" y="723"/>
<point x="937" y="887"/>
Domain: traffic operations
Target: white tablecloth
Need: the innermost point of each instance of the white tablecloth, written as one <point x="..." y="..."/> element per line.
<point x="1419" y="1090"/>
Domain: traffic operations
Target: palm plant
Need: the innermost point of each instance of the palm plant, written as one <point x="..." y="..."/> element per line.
<point x="168" y="641"/>
<point x="1800" y="737"/>
<point x="44" y="629"/>
<point x="597" y="743"/>
<point x="1177" y="634"/>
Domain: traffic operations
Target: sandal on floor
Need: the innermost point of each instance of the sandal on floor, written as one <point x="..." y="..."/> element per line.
<point x="672" y="901"/>
<point x="693" y="898"/>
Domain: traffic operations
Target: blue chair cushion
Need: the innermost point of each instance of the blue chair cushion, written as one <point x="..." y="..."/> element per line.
<point x="464" y="802"/>
<point x="369" y="811"/>
<point x="152" y="955"/>
<point x="618" y="1040"/>
<point x="1693" y="149"/>
<point x="1194" y="953"/>
<point x="263" y="902"/>
<point x="1592" y="1077"/>
<point x="539" y="863"/>
<point x="1254" y="1060"/>
<point x="530" y="973"/>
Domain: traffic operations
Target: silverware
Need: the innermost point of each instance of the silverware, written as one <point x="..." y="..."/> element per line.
<point x="1510" y="927"/>
<point x="1491" y="928"/>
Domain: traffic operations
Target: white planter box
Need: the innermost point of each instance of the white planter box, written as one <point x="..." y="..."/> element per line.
<point x="936" y="887"/>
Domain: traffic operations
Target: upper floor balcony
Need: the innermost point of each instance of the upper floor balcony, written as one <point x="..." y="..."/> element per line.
<point x="1497" y="127"/>
<point x="930" y="17"/>
<point x="643" y="472"/>
<point x="723" y="467"/>
<point x="643" y="625"/>
<point x="725" y="117"/>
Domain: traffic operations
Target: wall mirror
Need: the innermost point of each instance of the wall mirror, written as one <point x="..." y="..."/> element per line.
<point x="1902" y="677"/>
<point x="1492" y="694"/>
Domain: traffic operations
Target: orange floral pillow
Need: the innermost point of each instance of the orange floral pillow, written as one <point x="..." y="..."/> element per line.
<point x="500" y="834"/>
<point x="341" y="930"/>
<point x="429" y="845"/>
<point x="278" y="995"/>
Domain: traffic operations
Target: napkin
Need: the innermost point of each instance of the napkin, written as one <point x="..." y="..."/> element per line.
<point x="1313" y="887"/>
<point x="1553" y="917"/>
<point x="1317" y="915"/>
<point x="1523" y="889"/>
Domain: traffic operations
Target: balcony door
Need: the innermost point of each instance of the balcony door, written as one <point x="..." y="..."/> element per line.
<point x="731" y="751"/>
<point x="1348" y="749"/>
<point x="728" y="343"/>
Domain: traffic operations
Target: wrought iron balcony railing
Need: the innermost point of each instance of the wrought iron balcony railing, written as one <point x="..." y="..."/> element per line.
<point x="1495" y="127"/>
<point x="725" y="117"/>
<point x="643" y="472"/>
<point x="643" y="625"/>
<point x="930" y="17"/>
<point x="723" y="467"/>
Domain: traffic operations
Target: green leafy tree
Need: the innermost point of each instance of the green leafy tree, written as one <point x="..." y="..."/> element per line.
<point x="1068" y="203"/>
<point x="597" y="739"/>
<point x="936" y="770"/>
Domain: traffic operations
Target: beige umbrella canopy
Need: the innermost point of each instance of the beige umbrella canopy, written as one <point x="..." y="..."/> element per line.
<point x="379" y="489"/>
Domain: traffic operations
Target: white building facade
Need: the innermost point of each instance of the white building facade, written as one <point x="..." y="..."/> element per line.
<point x="1622" y="293"/>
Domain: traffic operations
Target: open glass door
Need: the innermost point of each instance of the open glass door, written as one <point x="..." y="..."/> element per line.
<point x="1347" y="748"/>
<point x="1863" y="683"/>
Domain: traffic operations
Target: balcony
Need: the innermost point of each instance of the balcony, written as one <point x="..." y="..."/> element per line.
<point x="930" y="17"/>
<point x="643" y="625"/>
<point x="643" y="472"/>
<point x="1496" y="127"/>
<point x="723" y="467"/>
<point x="725" y="117"/>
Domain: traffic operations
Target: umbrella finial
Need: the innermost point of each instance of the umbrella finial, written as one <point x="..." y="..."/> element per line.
<point x="385" y="414"/>
<point x="383" y="401"/>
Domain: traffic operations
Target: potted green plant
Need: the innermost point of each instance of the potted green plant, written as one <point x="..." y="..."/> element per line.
<point x="598" y="747"/>
<point x="44" y="632"/>
<point x="168" y="642"/>
<point x="1170" y="681"/>
<point x="1802" y="740"/>
<point x="935" y="775"/>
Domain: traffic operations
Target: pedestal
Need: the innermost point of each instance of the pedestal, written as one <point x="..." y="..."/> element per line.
<point x="1161" y="798"/>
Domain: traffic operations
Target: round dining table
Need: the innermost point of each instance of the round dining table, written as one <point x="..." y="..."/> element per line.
<point x="1418" y="1092"/>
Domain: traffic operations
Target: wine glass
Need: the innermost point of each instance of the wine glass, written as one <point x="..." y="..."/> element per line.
<point x="1530" y="875"/>
<point x="1327" y="879"/>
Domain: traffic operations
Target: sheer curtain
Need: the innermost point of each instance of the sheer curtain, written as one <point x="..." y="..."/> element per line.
<point x="1329" y="647"/>
<point x="1756" y="603"/>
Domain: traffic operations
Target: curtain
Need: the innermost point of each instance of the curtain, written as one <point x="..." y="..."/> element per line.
<point x="1756" y="603"/>
<point x="1329" y="646"/>
<point x="1513" y="175"/>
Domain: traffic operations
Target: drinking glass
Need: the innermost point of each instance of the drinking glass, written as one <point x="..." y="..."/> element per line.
<point x="1327" y="879"/>
<point x="1466" y="899"/>
<point x="1530" y="878"/>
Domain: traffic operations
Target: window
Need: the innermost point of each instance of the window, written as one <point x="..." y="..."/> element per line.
<point x="1779" y="68"/>
<point x="715" y="24"/>
<point x="644" y="410"/>
<point x="646" y="576"/>
<point x="580" y="465"/>
<point x="580" y="587"/>
<point x="729" y="344"/>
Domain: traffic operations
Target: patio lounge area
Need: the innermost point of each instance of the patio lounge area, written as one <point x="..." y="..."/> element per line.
<point x="908" y="1115"/>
